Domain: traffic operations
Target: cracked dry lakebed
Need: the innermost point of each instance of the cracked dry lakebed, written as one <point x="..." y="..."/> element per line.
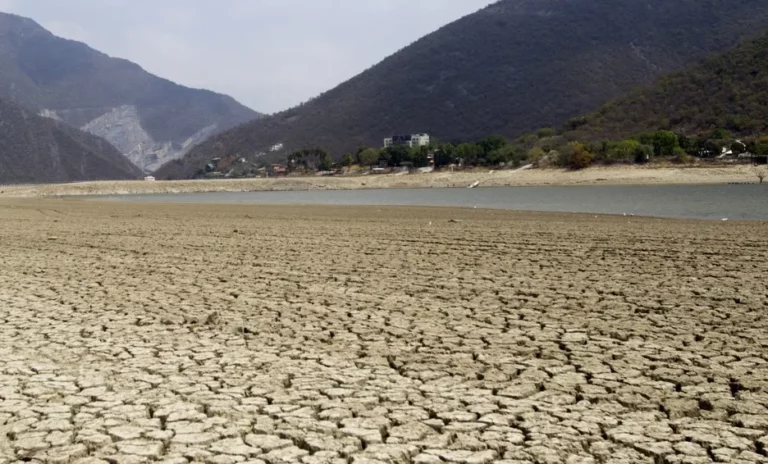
<point x="134" y="333"/>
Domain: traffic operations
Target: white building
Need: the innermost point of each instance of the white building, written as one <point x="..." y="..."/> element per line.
<point x="149" y="178"/>
<point x="413" y="140"/>
<point x="276" y="147"/>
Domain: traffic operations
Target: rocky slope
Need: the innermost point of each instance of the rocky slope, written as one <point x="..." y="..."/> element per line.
<point x="35" y="149"/>
<point x="510" y="68"/>
<point x="149" y="119"/>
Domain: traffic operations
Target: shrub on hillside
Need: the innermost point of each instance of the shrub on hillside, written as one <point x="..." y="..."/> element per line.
<point x="576" y="156"/>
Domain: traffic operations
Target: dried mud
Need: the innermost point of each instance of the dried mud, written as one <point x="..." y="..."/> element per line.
<point x="612" y="175"/>
<point x="137" y="333"/>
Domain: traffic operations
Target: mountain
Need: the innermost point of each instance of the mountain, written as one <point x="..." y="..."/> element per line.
<point x="727" y="91"/>
<point x="35" y="149"/>
<point x="510" y="68"/>
<point x="151" y="120"/>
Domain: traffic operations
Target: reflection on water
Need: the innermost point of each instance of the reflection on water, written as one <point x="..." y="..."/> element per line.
<point x="735" y="202"/>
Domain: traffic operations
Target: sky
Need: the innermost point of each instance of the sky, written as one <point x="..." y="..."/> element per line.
<point x="268" y="54"/>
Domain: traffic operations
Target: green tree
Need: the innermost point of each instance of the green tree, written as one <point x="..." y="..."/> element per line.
<point x="627" y="151"/>
<point x="492" y="143"/>
<point x="326" y="162"/>
<point x="535" y="154"/>
<point x="468" y="152"/>
<point x="507" y="154"/>
<point x="348" y="160"/>
<point x="420" y="157"/>
<point x="738" y="148"/>
<point x="759" y="150"/>
<point x="527" y="141"/>
<point x="445" y="155"/>
<point x="643" y="154"/>
<point x="663" y="142"/>
<point x="551" y="143"/>
<point x="368" y="157"/>
<point x="709" y="148"/>
<point x="398" y="154"/>
<point x="687" y="143"/>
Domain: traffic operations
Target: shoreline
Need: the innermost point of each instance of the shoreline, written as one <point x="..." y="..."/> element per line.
<point x="623" y="175"/>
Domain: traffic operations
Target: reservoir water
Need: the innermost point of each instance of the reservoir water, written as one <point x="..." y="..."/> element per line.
<point x="714" y="202"/>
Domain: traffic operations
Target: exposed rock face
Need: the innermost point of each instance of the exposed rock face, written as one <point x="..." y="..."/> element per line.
<point x="50" y="114"/>
<point x="122" y="127"/>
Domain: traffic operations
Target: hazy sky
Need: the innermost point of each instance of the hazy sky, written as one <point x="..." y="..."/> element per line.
<point x="269" y="54"/>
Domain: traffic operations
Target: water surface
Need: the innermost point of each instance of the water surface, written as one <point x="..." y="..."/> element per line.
<point x="735" y="202"/>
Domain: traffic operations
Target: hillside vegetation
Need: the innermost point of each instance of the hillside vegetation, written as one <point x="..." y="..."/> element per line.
<point x="77" y="84"/>
<point x="34" y="149"/>
<point x="728" y="91"/>
<point x="508" y="69"/>
<point x="717" y="106"/>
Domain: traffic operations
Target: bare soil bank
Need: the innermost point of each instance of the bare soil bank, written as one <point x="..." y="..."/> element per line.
<point x="595" y="176"/>
<point x="223" y="334"/>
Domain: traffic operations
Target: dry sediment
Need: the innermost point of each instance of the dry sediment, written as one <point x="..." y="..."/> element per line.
<point x="227" y="334"/>
<point x="614" y="175"/>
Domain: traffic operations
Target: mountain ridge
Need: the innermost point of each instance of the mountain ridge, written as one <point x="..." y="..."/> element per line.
<point x="508" y="69"/>
<point x="35" y="149"/>
<point x="77" y="84"/>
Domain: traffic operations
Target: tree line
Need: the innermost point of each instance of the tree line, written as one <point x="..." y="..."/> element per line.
<point x="545" y="147"/>
<point x="492" y="150"/>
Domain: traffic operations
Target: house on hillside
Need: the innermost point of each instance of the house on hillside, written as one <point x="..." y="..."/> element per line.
<point x="278" y="170"/>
